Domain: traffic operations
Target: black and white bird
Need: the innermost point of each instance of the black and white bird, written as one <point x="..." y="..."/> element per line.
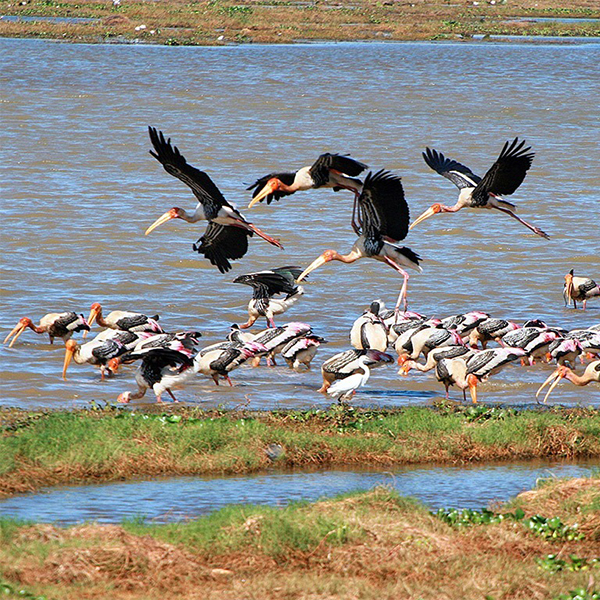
<point x="491" y="329"/>
<point x="300" y="352"/>
<point x="385" y="218"/>
<point x="503" y="178"/>
<point x="534" y="340"/>
<point x="579" y="288"/>
<point x="434" y="356"/>
<point x="335" y="171"/>
<point x="275" y="339"/>
<point x="163" y="368"/>
<point x="346" y="363"/>
<point x="56" y="325"/>
<point x="423" y="341"/>
<point x="226" y="237"/>
<point x="266" y="285"/>
<point x="464" y="323"/>
<point x="124" y="320"/>
<point x="369" y="330"/>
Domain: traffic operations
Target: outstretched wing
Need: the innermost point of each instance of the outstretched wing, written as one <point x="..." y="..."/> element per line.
<point x="319" y="171"/>
<point x="270" y="282"/>
<point x="457" y="173"/>
<point x="259" y="184"/>
<point x="207" y="193"/>
<point x="384" y="208"/>
<point x="507" y="173"/>
<point x="222" y="242"/>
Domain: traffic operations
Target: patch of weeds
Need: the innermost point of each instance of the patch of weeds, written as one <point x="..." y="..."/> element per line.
<point x="580" y="594"/>
<point x="548" y="528"/>
<point x="552" y="563"/>
<point x="172" y="42"/>
<point x="236" y="11"/>
<point x="9" y="591"/>
<point x="480" y="412"/>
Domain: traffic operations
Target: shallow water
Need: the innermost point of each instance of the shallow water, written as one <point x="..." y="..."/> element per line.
<point x="79" y="188"/>
<point x="179" y="498"/>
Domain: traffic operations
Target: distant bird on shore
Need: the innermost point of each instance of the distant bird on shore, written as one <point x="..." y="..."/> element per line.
<point x="62" y="325"/>
<point x="503" y="178"/>
<point x="385" y="224"/>
<point x="591" y="373"/>
<point x="226" y="237"/>
<point x="266" y="284"/>
<point x="579" y="288"/>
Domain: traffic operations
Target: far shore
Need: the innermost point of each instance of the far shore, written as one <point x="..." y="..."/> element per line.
<point x="223" y="22"/>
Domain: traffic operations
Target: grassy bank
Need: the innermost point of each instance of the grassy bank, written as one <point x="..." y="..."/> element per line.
<point x="214" y="22"/>
<point x="38" y="449"/>
<point x="374" y="545"/>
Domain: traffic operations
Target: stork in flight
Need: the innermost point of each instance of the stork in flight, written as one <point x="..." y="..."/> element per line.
<point x="385" y="224"/>
<point x="335" y="171"/>
<point x="503" y="177"/>
<point x="226" y="237"/>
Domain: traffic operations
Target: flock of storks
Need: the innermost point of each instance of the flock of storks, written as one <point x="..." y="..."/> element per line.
<point x="380" y="218"/>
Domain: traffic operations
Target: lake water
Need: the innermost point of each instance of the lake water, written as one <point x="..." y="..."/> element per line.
<point x="179" y="498"/>
<point x="79" y="188"/>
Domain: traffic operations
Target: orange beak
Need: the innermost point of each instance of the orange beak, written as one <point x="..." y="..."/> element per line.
<point x="472" y="381"/>
<point x="18" y="329"/>
<point x="433" y="210"/>
<point x="323" y="259"/>
<point x="556" y="376"/>
<point x="69" y="351"/>
<point x="269" y="188"/>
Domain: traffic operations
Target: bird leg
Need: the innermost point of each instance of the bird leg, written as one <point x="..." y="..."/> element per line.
<point x="215" y="378"/>
<point x="257" y="231"/>
<point x="535" y="230"/>
<point x="229" y="380"/>
<point x="172" y="396"/>
<point x="403" y="289"/>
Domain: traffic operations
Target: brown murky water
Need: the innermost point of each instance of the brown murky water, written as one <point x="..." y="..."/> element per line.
<point x="79" y="188"/>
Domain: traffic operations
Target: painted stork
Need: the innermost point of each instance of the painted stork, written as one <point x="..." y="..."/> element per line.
<point x="503" y="177"/>
<point x="124" y="320"/>
<point x="490" y="329"/>
<point x="335" y="171"/>
<point x="226" y="237"/>
<point x="434" y="356"/>
<point x="345" y="388"/>
<point x="463" y="324"/>
<point x="579" y="288"/>
<point x="62" y="325"/>
<point x="266" y="284"/>
<point x="99" y="350"/>
<point x="534" y="340"/>
<point x="275" y="339"/>
<point x="220" y="359"/>
<point x="301" y="351"/>
<point x="591" y="373"/>
<point x="369" y="330"/>
<point x="479" y="367"/>
<point x="385" y="223"/>
<point x="344" y="364"/>
<point x="423" y="341"/>
<point x="565" y="351"/>
<point x="162" y="369"/>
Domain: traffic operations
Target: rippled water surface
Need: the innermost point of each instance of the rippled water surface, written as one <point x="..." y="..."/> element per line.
<point x="179" y="498"/>
<point x="79" y="188"/>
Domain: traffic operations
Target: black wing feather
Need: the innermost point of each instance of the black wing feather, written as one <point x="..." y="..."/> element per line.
<point x="384" y="208"/>
<point x="259" y="184"/>
<point x="319" y="171"/>
<point x="222" y="242"/>
<point x="275" y="281"/>
<point x="508" y="172"/>
<point x="207" y="193"/>
<point x="460" y="175"/>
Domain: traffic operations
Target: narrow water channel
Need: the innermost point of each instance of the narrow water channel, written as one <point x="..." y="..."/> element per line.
<point x="180" y="498"/>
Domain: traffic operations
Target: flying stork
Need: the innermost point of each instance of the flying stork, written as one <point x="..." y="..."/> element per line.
<point x="385" y="224"/>
<point x="503" y="177"/>
<point x="226" y="237"/>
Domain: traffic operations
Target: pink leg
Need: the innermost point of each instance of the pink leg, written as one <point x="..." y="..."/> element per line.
<point x="172" y="396"/>
<point x="403" y="289"/>
<point x="535" y="230"/>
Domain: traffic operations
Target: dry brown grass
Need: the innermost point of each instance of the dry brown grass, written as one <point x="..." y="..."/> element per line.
<point x="216" y="22"/>
<point x="403" y="552"/>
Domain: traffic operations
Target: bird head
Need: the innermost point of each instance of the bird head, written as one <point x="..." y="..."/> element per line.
<point x="173" y="213"/>
<point x="271" y="186"/>
<point x="326" y="257"/>
<point x="432" y="210"/>
<point x="19" y="328"/>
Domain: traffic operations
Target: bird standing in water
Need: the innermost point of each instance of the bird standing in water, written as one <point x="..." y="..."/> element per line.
<point x="62" y="325"/>
<point x="579" y="288"/>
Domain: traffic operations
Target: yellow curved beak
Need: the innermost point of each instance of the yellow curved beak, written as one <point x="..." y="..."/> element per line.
<point x="162" y="219"/>
<point x="68" y="356"/>
<point x="314" y="265"/>
<point x="18" y="329"/>
<point x="268" y="189"/>
<point x="428" y="213"/>
<point x="556" y="376"/>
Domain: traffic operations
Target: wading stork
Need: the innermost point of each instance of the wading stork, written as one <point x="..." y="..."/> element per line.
<point x="385" y="223"/>
<point x="579" y="288"/>
<point x="591" y="373"/>
<point x="226" y="237"/>
<point x="62" y="325"/>
<point x="124" y="320"/>
<point x="503" y="177"/>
